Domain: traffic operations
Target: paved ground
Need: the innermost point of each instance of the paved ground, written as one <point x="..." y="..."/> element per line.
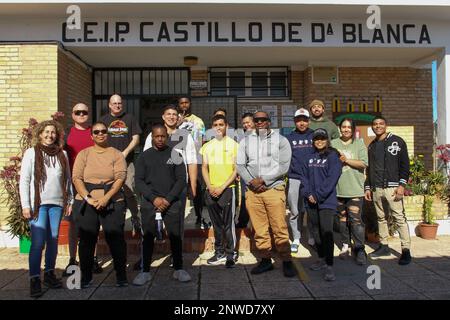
<point x="428" y="277"/>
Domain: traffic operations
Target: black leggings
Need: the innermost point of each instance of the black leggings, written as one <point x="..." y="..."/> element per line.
<point x="88" y="226"/>
<point x="322" y="228"/>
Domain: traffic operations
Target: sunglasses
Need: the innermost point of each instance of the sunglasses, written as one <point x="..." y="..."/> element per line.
<point x="80" y="113"/>
<point x="256" y="120"/>
<point x="97" y="132"/>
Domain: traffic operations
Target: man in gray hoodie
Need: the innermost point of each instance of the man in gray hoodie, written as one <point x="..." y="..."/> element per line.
<point x="263" y="161"/>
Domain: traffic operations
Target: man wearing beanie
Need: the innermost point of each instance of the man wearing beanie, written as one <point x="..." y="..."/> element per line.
<point x="318" y="119"/>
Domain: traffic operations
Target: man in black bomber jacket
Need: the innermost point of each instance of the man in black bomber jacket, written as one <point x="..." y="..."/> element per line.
<point x="387" y="175"/>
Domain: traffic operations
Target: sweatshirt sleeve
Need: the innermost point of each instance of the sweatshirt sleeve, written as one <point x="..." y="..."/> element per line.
<point x="367" y="185"/>
<point x="284" y="160"/>
<point x="334" y="131"/>
<point x="403" y="166"/>
<point x="329" y="184"/>
<point x="25" y="178"/>
<point x="139" y="179"/>
<point x="180" y="183"/>
<point x="304" y="180"/>
<point x="241" y="163"/>
<point x="148" y="142"/>
<point x="120" y="167"/>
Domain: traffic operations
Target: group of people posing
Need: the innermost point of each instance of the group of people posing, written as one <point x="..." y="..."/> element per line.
<point x="87" y="175"/>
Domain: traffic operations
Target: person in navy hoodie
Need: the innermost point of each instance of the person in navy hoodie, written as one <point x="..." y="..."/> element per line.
<point x="319" y="177"/>
<point x="301" y="144"/>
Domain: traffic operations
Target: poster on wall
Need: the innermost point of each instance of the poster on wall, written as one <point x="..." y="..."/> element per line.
<point x="287" y="116"/>
<point x="272" y="111"/>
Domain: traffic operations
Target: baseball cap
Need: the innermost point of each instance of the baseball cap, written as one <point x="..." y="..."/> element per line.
<point x="301" y="113"/>
<point x="320" y="133"/>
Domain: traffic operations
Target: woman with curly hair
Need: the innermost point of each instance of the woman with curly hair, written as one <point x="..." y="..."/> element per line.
<point x="45" y="192"/>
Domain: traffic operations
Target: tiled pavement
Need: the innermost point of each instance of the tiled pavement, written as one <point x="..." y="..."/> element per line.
<point x="427" y="277"/>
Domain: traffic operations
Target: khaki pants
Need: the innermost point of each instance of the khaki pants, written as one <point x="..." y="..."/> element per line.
<point x="396" y="209"/>
<point x="268" y="210"/>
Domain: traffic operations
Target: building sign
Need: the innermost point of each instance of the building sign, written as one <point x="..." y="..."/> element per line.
<point x="198" y="84"/>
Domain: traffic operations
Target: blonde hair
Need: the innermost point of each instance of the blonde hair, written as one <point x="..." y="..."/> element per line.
<point x="40" y="127"/>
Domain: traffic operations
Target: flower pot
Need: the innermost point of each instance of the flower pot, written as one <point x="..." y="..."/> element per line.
<point x="63" y="237"/>
<point x="24" y="245"/>
<point x="428" y="231"/>
<point x="373" y="237"/>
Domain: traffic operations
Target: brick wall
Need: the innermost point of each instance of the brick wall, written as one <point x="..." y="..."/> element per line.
<point x="406" y="95"/>
<point x="74" y="84"/>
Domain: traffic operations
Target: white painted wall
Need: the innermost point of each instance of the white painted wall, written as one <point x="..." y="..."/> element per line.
<point x="443" y="98"/>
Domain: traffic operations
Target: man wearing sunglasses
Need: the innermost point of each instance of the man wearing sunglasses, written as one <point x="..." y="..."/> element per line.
<point x="77" y="138"/>
<point x="263" y="161"/>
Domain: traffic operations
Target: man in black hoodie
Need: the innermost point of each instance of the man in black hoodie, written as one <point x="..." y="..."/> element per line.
<point x="161" y="179"/>
<point x="387" y="175"/>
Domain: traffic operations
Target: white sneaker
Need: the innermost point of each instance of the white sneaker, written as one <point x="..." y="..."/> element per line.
<point x="142" y="278"/>
<point x="345" y="252"/>
<point x="311" y="242"/>
<point x="182" y="275"/>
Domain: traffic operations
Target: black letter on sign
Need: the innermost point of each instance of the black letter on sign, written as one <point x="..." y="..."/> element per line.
<point x="64" y="35"/>
<point x="142" y="37"/>
<point x="405" y="38"/>
<point x="274" y="32"/>
<point x="258" y="38"/>
<point x="233" y="34"/>
<point x="424" y="35"/>
<point x="351" y="32"/>
<point x="163" y="32"/>
<point x="88" y="32"/>
<point x="313" y="32"/>
<point x="293" y="32"/>
<point x="120" y="31"/>
<point x="183" y="32"/>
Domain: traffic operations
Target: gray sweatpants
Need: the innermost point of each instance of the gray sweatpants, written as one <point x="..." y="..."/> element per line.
<point x="295" y="201"/>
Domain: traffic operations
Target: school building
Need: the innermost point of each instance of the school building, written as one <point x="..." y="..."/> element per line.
<point x="240" y="55"/>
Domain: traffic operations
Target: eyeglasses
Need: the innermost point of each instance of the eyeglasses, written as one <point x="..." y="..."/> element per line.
<point x="80" y="113"/>
<point x="97" y="132"/>
<point x="256" y="120"/>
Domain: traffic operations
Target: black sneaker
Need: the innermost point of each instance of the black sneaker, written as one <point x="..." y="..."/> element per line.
<point x="51" y="281"/>
<point x="230" y="263"/>
<point x="122" y="283"/>
<point x="405" y="258"/>
<point x="35" y="287"/>
<point x="86" y="283"/>
<point x="382" y="251"/>
<point x="289" y="269"/>
<point x="205" y="225"/>
<point x="216" y="259"/>
<point x="72" y="262"/>
<point x="263" y="266"/>
<point x="96" y="268"/>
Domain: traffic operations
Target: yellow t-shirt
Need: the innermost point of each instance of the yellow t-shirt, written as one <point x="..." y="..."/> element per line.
<point x="221" y="157"/>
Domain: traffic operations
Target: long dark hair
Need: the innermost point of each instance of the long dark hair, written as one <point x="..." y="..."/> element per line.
<point x="352" y="124"/>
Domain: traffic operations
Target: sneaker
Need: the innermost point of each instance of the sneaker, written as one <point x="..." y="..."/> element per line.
<point x="72" y="262"/>
<point x="345" y="253"/>
<point x="86" y="283"/>
<point x="405" y="258"/>
<point x="142" y="278"/>
<point x="289" y="269"/>
<point x="96" y="268"/>
<point x="205" y="225"/>
<point x="35" y="287"/>
<point x="263" y="266"/>
<point x="182" y="275"/>
<point x="318" y="265"/>
<point x="361" y="257"/>
<point x="122" y="283"/>
<point x="216" y="259"/>
<point x="382" y="251"/>
<point x="235" y="256"/>
<point x="230" y="263"/>
<point x="51" y="281"/>
<point x="329" y="274"/>
<point x="294" y="247"/>
<point x="311" y="242"/>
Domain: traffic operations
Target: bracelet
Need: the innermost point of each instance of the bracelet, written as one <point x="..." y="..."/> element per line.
<point x="86" y="197"/>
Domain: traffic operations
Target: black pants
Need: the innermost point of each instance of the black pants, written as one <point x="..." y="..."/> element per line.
<point x="243" y="217"/>
<point x="172" y="218"/>
<point x="322" y="228"/>
<point x="221" y="211"/>
<point x="349" y="210"/>
<point x="88" y="225"/>
<point x="198" y="199"/>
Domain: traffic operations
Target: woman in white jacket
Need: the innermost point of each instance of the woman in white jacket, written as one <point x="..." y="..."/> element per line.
<point x="45" y="191"/>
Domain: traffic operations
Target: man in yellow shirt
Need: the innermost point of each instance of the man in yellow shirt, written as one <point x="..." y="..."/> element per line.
<point x="219" y="173"/>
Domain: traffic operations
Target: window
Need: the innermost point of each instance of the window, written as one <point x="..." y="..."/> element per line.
<point x="252" y="82"/>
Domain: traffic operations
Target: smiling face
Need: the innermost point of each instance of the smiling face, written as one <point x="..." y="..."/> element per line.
<point x="170" y="118"/>
<point x="248" y="124"/>
<point x="48" y="136"/>
<point x="115" y="105"/>
<point x="261" y="120"/>
<point x="317" y="110"/>
<point x="220" y="127"/>
<point x="320" y="143"/>
<point x="346" y="130"/>
<point x="379" y="127"/>
<point x="80" y="113"/>
<point x="301" y="123"/>
<point x="100" y="134"/>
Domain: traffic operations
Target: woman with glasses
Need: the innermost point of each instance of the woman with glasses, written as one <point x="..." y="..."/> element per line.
<point x="319" y="176"/>
<point x="98" y="175"/>
<point x="45" y="191"/>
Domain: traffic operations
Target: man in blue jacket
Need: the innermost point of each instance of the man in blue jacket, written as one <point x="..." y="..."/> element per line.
<point x="301" y="145"/>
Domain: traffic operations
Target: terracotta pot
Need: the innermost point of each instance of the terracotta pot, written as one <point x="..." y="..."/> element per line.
<point x="428" y="231"/>
<point x="63" y="237"/>
<point x="373" y="237"/>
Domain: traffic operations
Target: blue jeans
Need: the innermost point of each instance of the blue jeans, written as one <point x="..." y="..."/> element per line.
<point x="44" y="232"/>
